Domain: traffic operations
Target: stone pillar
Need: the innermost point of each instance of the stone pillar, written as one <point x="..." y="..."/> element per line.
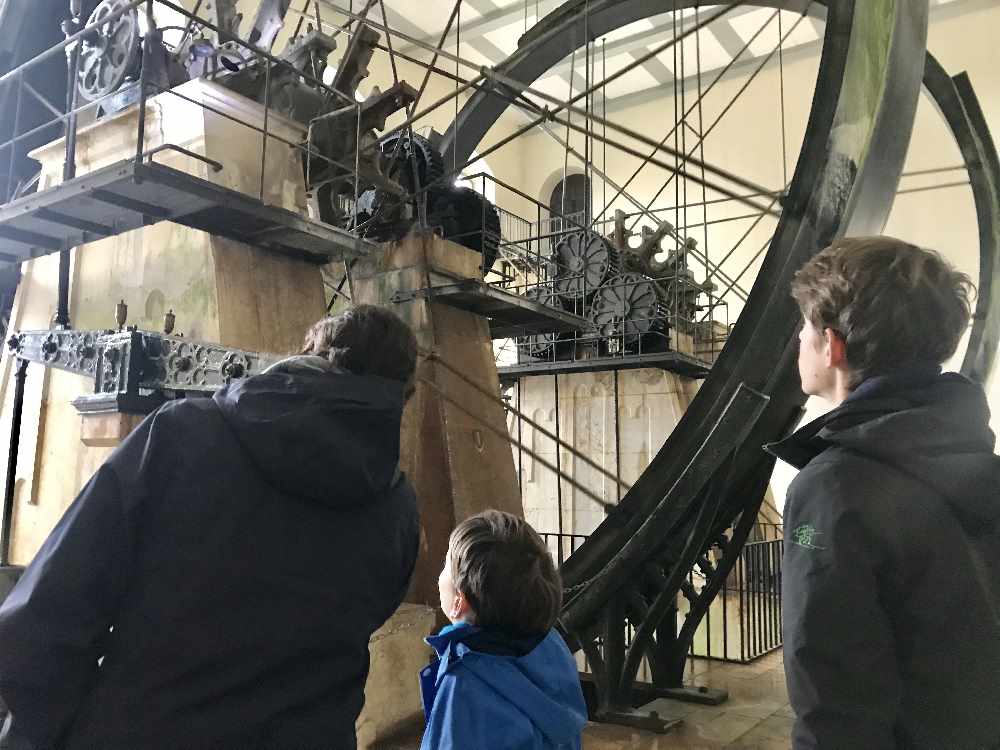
<point x="392" y="692"/>
<point x="458" y="463"/>
<point x="220" y="290"/>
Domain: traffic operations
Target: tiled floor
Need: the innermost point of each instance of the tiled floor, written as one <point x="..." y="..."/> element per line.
<point x="756" y="716"/>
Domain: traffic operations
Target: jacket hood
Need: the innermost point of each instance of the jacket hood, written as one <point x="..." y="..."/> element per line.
<point x="931" y="426"/>
<point x="318" y="432"/>
<point x="530" y="681"/>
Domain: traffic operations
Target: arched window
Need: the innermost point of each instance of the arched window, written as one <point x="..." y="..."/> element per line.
<point x="571" y="198"/>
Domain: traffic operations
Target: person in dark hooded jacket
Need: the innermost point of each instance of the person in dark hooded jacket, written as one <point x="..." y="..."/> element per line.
<point x="216" y="582"/>
<point x="891" y="576"/>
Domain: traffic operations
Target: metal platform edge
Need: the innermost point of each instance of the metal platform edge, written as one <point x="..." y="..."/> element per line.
<point x="671" y="361"/>
<point x="523" y="317"/>
<point x="93" y="185"/>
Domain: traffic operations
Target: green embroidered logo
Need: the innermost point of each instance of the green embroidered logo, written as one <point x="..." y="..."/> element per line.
<point x="805" y="536"/>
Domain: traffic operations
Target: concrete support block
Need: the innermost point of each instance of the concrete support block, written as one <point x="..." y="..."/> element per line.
<point x="392" y="693"/>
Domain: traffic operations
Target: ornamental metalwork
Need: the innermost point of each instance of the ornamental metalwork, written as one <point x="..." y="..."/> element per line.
<point x="136" y="363"/>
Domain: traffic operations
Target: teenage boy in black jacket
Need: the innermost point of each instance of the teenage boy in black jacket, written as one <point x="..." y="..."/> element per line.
<point x="891" y="576"/>
<point x="216" y="583"/>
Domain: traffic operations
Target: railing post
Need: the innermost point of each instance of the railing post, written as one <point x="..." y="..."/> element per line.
<point x="559" y="501"/>
<point x="147" y="55"/>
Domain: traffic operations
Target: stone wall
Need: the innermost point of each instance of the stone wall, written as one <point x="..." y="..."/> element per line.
<point x="650" y="404"/>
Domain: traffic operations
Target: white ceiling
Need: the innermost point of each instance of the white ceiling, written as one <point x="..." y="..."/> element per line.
<point x="490" y="30"/>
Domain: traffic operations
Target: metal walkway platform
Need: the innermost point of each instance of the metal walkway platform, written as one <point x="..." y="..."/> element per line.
<point x="682" y="364"/>
<point x="510" y="315"/>
<point x="126" y="196"/>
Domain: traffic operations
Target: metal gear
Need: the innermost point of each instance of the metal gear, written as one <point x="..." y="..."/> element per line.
<point x="409" y="161"/>
<point x="467" y="218"/>
<point x="627" y="307"/>
<point x="583" y="261"/>
<point x="541" y="344"/>
<point x="412" y="161"/>
<point x="111" y="53"/>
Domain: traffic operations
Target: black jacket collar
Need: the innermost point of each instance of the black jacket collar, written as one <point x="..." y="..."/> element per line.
<point x="875" y="395"/>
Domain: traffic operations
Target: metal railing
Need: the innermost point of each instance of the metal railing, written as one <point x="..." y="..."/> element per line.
<point x="672" y="312"/>
<point x="743" y="623"/>
<point x="562" y="546"/>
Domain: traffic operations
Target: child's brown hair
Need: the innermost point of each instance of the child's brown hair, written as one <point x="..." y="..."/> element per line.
<point x="501" y="566"/>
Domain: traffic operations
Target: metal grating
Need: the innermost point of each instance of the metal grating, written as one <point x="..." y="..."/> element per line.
<point x="509" y="314"/>
<point x="125" y="196"/>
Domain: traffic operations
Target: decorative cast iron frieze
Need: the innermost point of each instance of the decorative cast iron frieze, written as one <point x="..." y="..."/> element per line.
<point x="141" y="368"/>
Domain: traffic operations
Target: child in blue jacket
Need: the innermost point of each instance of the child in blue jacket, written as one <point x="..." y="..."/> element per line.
<point x="503" y="679"/>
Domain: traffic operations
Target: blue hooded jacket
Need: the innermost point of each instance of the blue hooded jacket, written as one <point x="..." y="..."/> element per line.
<point x="487" y="692"/>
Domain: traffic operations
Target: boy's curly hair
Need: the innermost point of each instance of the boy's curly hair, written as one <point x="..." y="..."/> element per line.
<point x="893" y="303"/>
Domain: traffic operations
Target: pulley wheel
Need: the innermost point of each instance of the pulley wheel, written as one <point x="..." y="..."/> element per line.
<point x="111" y="53"/>
<point x="540" y="344"/>
<point x="583" y="261"/>
<point x="626" y="307"/>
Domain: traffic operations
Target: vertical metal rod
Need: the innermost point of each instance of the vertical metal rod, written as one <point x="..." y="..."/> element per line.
<point x="482" y="228"/>
<point x="604" y="115"/>
<point x="520" y="445"/>
<point x="690" y="604"/>
<point x="740" y="586"/>
<point x="267" y="111"/>
<point x="777" y="585"/>
<point x="69" y="163"/>
<point x="781" y="88"/>
<point x="562" y="197"/>
<point x="751" y="620"/>
<point x="761" y="599"/>
<point x="754" y="602"/>
<point x="147" y="54"/>
<point x="770" y="595"/>
<point x="587" y="103"/>
<point x="725" y="615"/>
<point x="704" y="190"/>
<point x="680" y="116"/>
<point x="357" y="153"/>
<point x="458" y="52"/>
<point x="760" y="604"/>
<point x="538" y="242"/>
<point x="618" y="444"/>
<point x="17" y="125"/>
<point x="683" y="133"/>
<point x="776" y="592"/>
<point x="559" y="500"/>
<point x="762" y="594"/>
<point x="20" y="375"/>
<point x="708" y="621"/>
<point x="771" y="565"/>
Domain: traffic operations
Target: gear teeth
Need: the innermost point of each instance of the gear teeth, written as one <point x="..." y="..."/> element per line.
<point x="460" y="213"/>
<point x="627" y="307"/>
<point x="430" y="163"/>
<point x="584" y="261"/>
<point x="541" y="344"/>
